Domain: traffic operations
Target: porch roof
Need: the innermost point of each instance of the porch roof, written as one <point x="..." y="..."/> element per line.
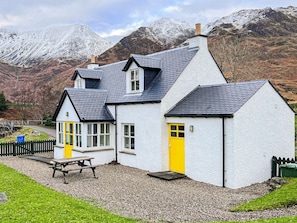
<point x="216" y="100"/>
<point x="89" y="104"/>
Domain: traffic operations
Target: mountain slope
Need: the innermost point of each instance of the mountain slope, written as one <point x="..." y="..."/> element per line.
<point x="256" y="22"/>
<point x="163" y="34"/>
<point x="32" y="47"/>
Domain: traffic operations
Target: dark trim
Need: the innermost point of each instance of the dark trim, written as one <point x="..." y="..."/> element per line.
<point x="282" y="97"/>
<point x="116" y="133"/>
<point x="61" y="101"/>
<point x="199" y="115"/>
<point x="135" y="102"/>
<point x="85" y="121"/>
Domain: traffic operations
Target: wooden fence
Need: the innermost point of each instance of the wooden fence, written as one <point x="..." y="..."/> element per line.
<point x="26" y="148"/>
<point x="276" y="162"/>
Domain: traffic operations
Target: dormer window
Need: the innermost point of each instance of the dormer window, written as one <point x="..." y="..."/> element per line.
<point x="134" y="80"/>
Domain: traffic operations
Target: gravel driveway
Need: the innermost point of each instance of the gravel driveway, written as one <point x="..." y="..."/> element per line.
<point x="130" y="192"/>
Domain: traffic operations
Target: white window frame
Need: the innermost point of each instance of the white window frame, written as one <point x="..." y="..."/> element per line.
<point x="129" y="137"/>
<point x="78" y="135"/>
<point x="133" y="80"/>
<point x="104" y="134"/>
<point x="60" y="133"/>
<point x="92" y="135"/>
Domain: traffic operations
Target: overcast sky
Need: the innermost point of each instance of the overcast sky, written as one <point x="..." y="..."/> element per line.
<point x="113" y="19"/>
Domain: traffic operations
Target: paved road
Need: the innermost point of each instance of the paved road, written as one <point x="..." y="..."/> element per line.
<point x="50" y="131"/>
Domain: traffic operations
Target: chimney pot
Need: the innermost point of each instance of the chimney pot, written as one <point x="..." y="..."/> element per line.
<point x="198" y="29"/>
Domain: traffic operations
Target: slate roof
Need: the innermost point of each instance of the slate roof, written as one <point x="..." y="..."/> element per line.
<point x="88" y="73"/>
<point x="89" y="104"/>
<point x="216" y="100"/>
<point x="143" y="61"/>
<point x="173" y="62"/>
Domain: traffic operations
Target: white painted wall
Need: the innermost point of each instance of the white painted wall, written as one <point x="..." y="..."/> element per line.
<point x="202" y="70"/>
<point x="203" y="149"/>
<point x="146" y="119"/>
<point x="67" y="107"/>
<point x="263" y="127"/>
<point x="101" y="156"/>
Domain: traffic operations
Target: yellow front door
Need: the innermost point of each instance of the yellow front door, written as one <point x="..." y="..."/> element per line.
<point x="176" y="147"/>
<point x="68" y="143"/>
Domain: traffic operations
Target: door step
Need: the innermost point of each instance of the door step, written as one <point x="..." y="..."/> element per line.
<point x="167" y="175"/>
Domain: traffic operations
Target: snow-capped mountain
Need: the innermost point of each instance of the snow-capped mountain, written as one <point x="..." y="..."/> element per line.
<point x="167" y="30"/>
<point x="160" y="35"/>
<point x="69" y="41"/>
<point x="246" y="19"/>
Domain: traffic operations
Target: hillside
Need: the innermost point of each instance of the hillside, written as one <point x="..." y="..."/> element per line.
<point x="29" y="48"/>
<point x="247" y="45"/>
<point x="161" y="35"/>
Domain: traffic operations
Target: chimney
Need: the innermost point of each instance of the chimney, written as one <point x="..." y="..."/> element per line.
<point x="198" y="29"/>
<point x="198" y="41"/>
<point x="93" y="65"/>
<point x="93" y="59"/>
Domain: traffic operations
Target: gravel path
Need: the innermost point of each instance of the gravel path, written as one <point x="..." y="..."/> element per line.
<point x="130" y="192"/>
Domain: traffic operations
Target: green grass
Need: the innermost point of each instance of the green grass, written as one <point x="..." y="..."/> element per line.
<point x="286" y="196"/>
<point x="29" y="201"/>
<point x="29" y="136"/>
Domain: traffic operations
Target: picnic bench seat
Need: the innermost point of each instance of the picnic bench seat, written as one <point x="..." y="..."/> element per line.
<point x="63" y="165"/>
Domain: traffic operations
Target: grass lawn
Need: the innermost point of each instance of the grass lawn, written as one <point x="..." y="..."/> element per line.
<point x="29" y="201"/>
<point x="29" y="136"/>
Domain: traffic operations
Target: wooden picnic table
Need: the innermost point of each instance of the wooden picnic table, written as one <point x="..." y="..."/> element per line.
<point x="67" y="165"/>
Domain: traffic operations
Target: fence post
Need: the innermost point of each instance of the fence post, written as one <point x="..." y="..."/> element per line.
<point x="14" y="149"/>
<point x="273" y="167"/>
<point x="32" y="148"/>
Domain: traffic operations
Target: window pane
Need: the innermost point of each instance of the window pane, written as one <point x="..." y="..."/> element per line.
<point x="89" y="128"/>
<point x="132" y="143"/>
<point x="71" y="140"/>
<point x="101" y="128"/>
<point x="181" y="127"/>
<point x="173" y="134"/>
<point x="136" y="75"/>
<point x="126" y="141"/>
<point x="132" y="130"/>
<point x="95" y="129"/>
<point x="132" y="75"/>
<point x="137" y="85"/>
<point x="107" y="128"/>
<point x="132" y="86"/>
<point x="173" y="127"/>
<point x="101" y="140"/>
<point x="95" y="140"/>
<point x="71" y="128"/>
<point x="107" y="140"/>
<point x="126" y="130"/>
<point x="181" y="134"/>
<point x="89" y="141"/>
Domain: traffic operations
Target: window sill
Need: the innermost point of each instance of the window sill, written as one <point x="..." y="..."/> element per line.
<point x="92" y="149"/>
<point x="128" y="152"/>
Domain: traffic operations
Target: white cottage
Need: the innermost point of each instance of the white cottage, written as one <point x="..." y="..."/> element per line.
<point x="173" y="110"/>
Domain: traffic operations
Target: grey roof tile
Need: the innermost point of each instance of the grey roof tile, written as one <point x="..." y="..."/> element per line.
<point x="173" y="62"/>
<point x="89" y="104"/>
<point x="88" y="73"/>
<point x="216" y="100"/>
